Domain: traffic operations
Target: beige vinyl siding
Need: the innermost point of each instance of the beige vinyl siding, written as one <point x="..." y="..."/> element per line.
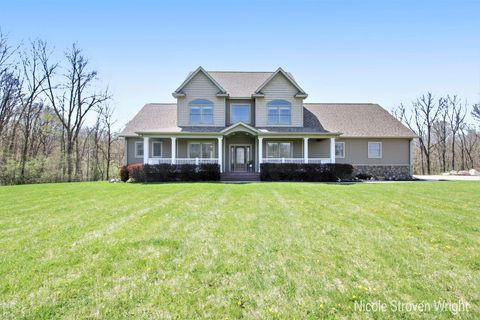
<point x="166" y="149"/>
<point x="200" y="87"/>
<point x="297" y="145"/>
<point x="131" y="151"/>
<point x="182" y="146"/>
<point x="279" y="88"/>
<point x="166" y="146"/>
<point x="394" y="151"/>
<point x="318" y="148"/>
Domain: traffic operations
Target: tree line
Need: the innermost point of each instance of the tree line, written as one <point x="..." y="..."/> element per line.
<point x="446" y="139"/>
<point x="55" y="123"/>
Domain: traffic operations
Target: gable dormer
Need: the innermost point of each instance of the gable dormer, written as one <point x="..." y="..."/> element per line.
<point x="279" y="102"/>
<point x="200" y="101"/>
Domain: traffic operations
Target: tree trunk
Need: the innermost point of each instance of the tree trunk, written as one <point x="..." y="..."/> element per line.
<point x="453" y="151"/>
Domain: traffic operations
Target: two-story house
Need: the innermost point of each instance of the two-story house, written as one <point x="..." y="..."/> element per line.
<point x="241" y="119"/>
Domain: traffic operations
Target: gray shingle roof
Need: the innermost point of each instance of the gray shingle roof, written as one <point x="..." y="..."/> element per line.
<point x="353" y="120"/>
<point x="240" y="84"/>
<point x="153" y="116"/>
<point x="161" y="117"/>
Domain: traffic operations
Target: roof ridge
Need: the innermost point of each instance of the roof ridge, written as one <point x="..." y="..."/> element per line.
<point x="162" y="103"/>
<point x="241" y="71"/>
<point x="343" y="103"/>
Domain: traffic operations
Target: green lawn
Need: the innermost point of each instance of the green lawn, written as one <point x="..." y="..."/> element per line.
<point x="217" y="251"/>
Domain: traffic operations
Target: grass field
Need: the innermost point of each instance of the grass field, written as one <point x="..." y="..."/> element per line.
<point x="218" y="251"/>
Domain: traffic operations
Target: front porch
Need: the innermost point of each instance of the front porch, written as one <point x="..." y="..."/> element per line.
<point x="237" y="151"/>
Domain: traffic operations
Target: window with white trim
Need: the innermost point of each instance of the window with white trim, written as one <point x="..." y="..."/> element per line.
<point x="201" y="111"/>
<point x="240" y="113"/>
<point x="201" y="150"/>
<point x="156" y="149"/>
<point x="339" y="149"/>
<point x="374" y="149"/>
<point x="138" y="149"/>
<point x="279" y="150"/>
<point x="279" y="112"/>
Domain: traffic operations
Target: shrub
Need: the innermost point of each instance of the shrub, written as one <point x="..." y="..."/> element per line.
<point x="364" y="176"/>
<point x="169" y="172"/>
<point x="341" y="170"/>
<point x="124" y="173"/>
<point x="209" y="172"/>
<point x="186" y="172"/>
<point x="136" y="172"/>
<point x="159" y="172"/>
<point x="305" y="172"/>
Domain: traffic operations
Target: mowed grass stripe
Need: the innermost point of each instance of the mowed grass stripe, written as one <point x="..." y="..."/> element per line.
<point x="215" y="251"/>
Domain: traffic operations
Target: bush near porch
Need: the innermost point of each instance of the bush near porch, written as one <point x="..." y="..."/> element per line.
<point x="172" y="173"/>
<point x="329" y="172"/>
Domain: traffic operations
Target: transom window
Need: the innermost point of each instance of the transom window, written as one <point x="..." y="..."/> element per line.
<point x="201" y="111"/>
<point x="279" y="112"/>
<point x="201" y="150"/>
<point x="138" y="149"/>
<point x="340" y="149"/>
<point x="279" y="150"/>
<point x="156" y="149"/>
<point x="374" y="149"/>
<point x="240" y="113"/>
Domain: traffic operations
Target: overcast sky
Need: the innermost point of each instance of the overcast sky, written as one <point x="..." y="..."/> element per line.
<point x="385" y="52"/>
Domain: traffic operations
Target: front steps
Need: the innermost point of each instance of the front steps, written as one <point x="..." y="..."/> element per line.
<point x="240" y="176"/>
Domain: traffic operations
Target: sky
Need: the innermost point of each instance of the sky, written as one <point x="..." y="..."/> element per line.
<point x="386" y="52"/>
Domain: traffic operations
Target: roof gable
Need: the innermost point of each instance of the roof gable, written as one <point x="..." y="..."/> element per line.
<point x="240" y="126"/>
<point x="179" y="92"/>
<point x="300" y="94"/>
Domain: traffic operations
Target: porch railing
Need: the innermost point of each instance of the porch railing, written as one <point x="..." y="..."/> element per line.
<point x="296" y="160"/>
<point x="196" y="161"/>
<point x="159" y="160"/>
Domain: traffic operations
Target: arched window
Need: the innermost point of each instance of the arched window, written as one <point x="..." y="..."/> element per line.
<point x="201" y="111"/>
<point x="279" y="112"/>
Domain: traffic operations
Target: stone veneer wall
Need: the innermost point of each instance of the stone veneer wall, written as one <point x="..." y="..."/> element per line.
<point x="384" y="172"/>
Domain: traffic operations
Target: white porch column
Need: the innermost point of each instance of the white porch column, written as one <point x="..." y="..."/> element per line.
<point x="146" y="142"/>
<point x="411" y="146"/>
<point x="332" y="150"/>
<point x="174" y="149"/>
<point x="305" y="150"/>
<point x="260" y="152"/>
<point x="220" y="153"/>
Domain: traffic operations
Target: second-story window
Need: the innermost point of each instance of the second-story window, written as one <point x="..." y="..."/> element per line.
<point x="279" y="112"/>
<point x="240" y="113"/>
<point x="201" y="111"/>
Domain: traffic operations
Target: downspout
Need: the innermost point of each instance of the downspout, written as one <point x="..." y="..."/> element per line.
<point x="125" y="151"/>
<point x="410" y="148"/>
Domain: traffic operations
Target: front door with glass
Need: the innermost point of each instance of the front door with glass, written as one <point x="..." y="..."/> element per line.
<point x="239" y="158"/>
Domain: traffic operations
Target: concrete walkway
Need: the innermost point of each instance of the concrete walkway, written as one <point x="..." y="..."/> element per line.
<point x="447" y="178"/>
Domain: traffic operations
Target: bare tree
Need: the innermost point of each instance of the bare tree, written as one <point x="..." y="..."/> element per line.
<point x="425" y="112"/>
<point x="43" y="113"/>
<point x="440" y="129"/>
<point x="106" y="113"/>
<point x="469" y="140"/>
<point x="476" y="112"/>
<point x="10" y="87"/>
<point x="34" y="77"/>
<point x="456" y="112"/>
<point x="76" y="100"/>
